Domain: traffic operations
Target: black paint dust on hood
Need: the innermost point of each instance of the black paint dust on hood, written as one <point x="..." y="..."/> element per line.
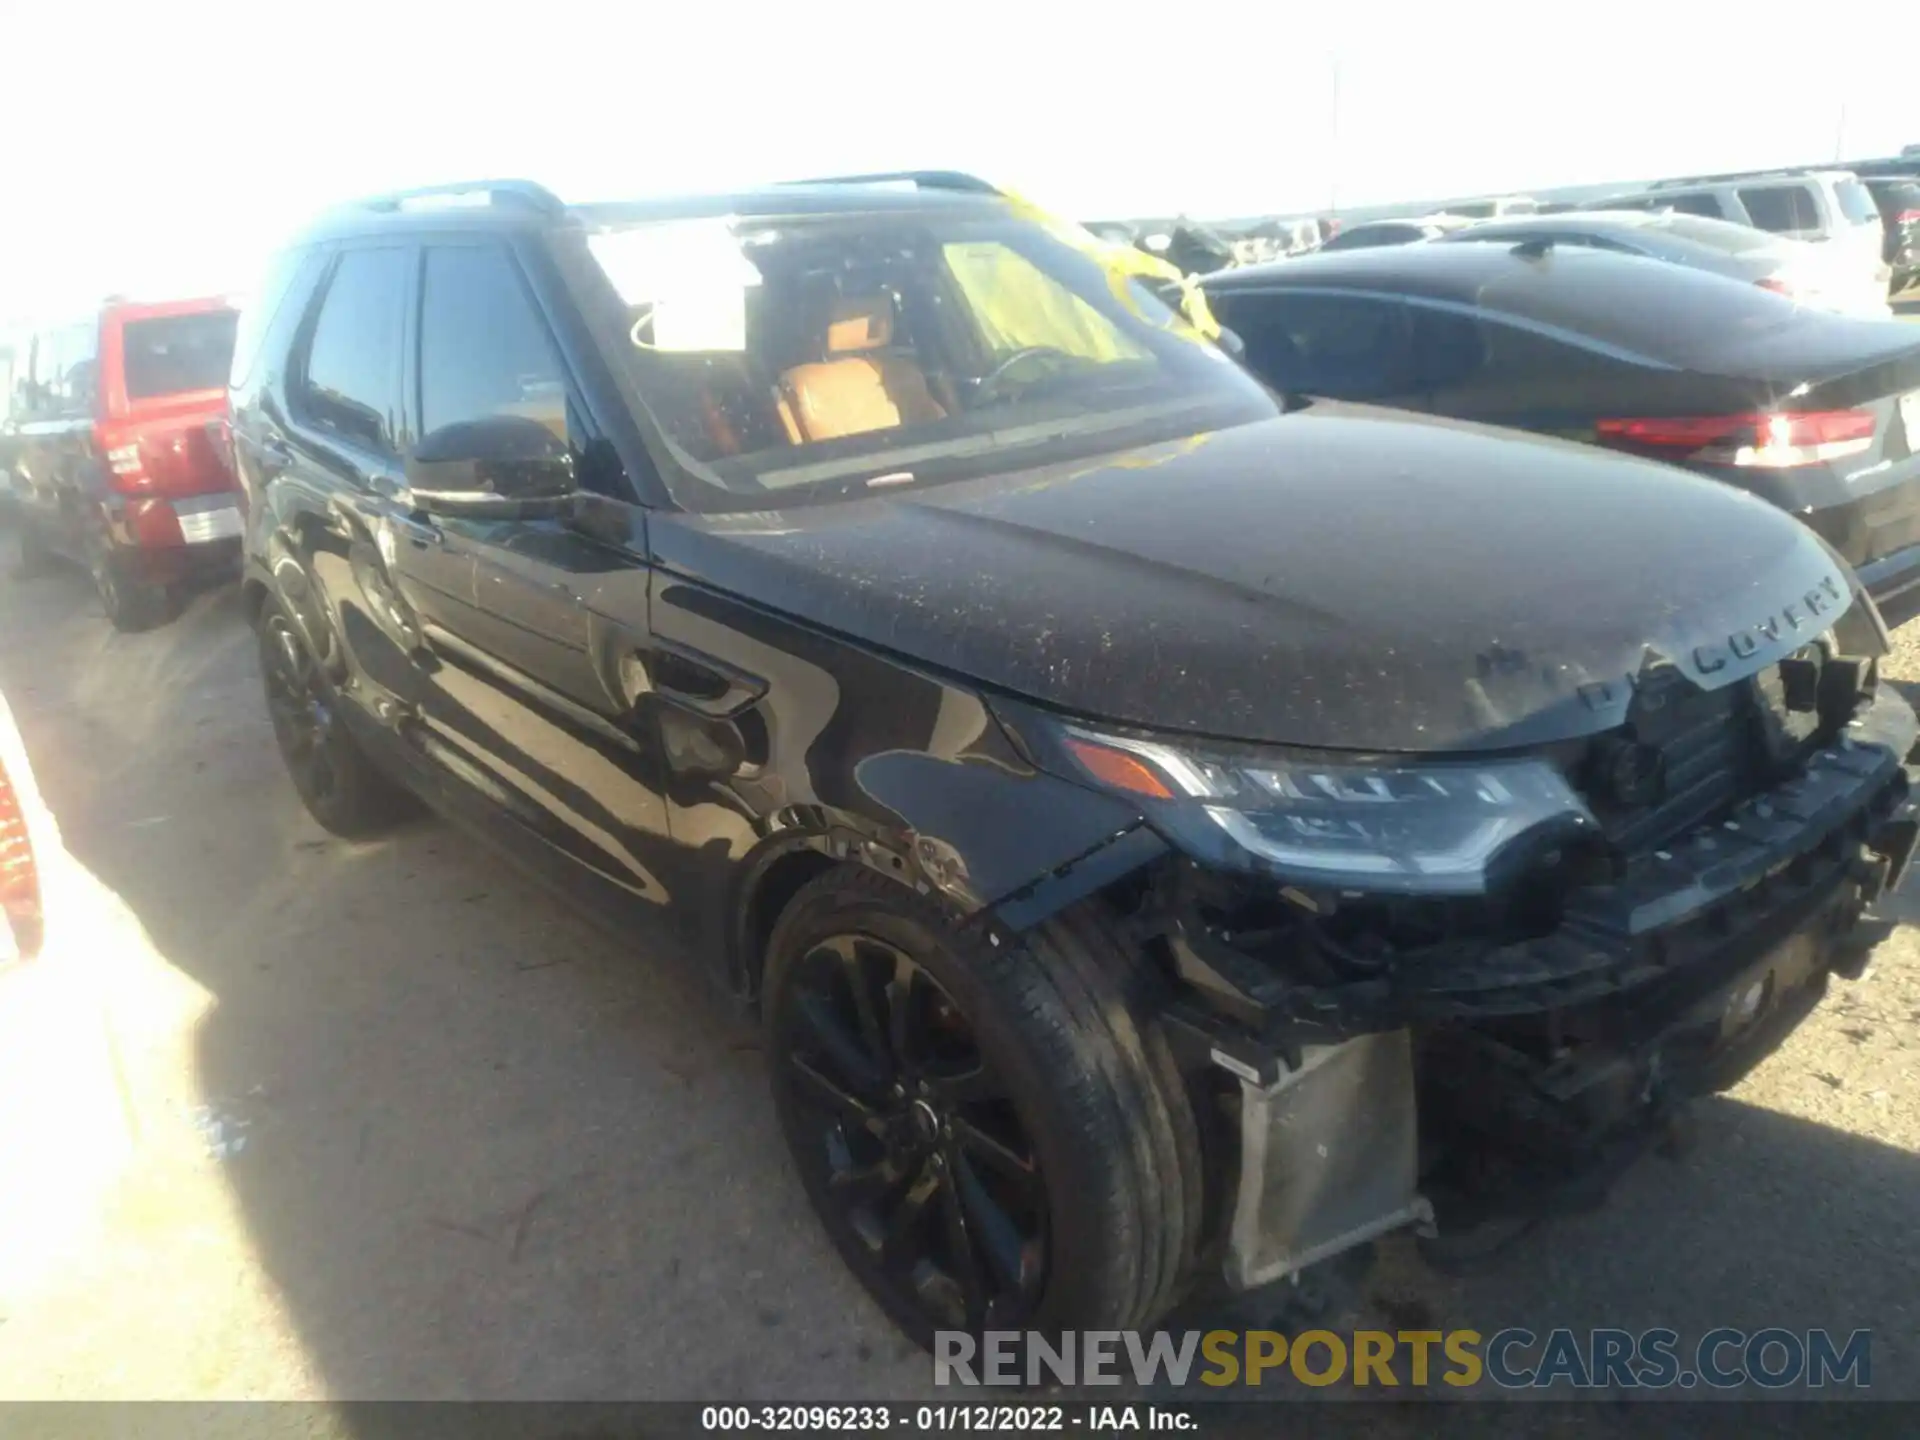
<point x="1342" y="577"/>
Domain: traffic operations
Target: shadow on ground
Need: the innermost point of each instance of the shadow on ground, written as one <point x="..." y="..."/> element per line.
<point x="492" y="1153"/>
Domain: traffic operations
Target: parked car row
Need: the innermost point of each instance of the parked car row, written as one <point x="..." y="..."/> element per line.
<point x="1831" y="208"/>
<point x="1858" y="225"/>
<point x="1171" y="825"/>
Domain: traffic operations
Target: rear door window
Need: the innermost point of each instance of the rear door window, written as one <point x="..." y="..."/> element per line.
<point x="1482" y="367"/>
<point x="1704" y="203"/>
<point x="176" y="354"/>
<point x="349" y="380"/>
<point x="1343" y="347"/>
<point x="1782" y="209"/>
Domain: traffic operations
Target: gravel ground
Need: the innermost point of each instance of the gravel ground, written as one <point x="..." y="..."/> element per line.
<point x="291" y="1117"/>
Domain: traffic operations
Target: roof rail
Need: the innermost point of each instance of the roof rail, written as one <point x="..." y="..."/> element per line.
<point x="924" y="179"/>
<point x="522" y="193"/>
<point x="1777" y="171"/>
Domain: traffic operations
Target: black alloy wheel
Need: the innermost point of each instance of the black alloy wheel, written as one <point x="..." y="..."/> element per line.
<point x="339" y="785"/>
<point x="991" y="1128"/>
<point x="911" y="1137"/>
<point x="301" y="708"/>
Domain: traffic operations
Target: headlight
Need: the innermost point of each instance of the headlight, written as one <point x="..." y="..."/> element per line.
<point x="1429" y="826"/>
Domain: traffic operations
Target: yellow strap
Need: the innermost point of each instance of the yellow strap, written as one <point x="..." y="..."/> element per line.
<point x="1123" y="263"/>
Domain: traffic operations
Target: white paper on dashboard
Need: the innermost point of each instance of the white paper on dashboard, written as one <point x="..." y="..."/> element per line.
<point x="689" y="276"/>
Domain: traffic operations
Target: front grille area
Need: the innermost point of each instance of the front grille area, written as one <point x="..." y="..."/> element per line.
<point x="1687" y="756"/>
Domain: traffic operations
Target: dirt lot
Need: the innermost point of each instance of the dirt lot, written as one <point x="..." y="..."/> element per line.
<point x="290" y="1117"/>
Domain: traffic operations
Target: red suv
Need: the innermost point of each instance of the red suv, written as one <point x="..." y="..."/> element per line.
<point x="116" y="453"/>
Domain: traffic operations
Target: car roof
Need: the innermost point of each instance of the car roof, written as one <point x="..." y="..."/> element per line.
<point x="118" y="309"/>
<point x="778" y="200"/>
<point x="520" y="205"/>
<point x="1751" y="177"/>
<point x="125" y="310"/>
<point x="1597" y="220"/>
<point x="1407" y="222"/>
<point x="1640" y="306"/>
<point x="1456" y="271"/>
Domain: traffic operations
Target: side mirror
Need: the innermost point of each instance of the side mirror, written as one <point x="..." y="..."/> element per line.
<point x="505" y="467"/>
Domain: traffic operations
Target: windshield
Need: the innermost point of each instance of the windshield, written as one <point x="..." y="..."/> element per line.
<point x="178" y="353"/>
<point x="814" y="355"/>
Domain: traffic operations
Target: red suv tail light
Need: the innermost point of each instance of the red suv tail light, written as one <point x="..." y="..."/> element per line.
<point x="19" y="876"/>
<point x="125" y="464"/>
<point x="1763" y="441"/>
<point x="1907" y="217"/>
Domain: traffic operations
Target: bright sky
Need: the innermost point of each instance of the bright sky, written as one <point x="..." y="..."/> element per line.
<point x="165" y="147"/>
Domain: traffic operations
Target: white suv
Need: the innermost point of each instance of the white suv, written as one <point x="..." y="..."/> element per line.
<point x="1828" y="207"/>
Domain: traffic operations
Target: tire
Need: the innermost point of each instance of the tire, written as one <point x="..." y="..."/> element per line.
<point x="1041" y="1050"/>
<point x="340" y="786"/>
<point x="131" y="605"/>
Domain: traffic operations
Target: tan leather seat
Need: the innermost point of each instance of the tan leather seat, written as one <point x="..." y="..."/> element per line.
<point x="862" y="386"/>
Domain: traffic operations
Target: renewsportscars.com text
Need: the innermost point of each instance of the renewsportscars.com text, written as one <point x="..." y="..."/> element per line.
<point x="1512" y="1359"/>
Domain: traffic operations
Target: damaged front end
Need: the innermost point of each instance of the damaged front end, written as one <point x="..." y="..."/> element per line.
<point x="1462" y="993"/>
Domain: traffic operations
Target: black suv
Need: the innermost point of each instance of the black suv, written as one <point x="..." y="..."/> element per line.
<point x="1161" y="832"/>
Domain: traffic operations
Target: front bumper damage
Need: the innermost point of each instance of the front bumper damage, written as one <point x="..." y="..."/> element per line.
<point x="1466" y="1086"/>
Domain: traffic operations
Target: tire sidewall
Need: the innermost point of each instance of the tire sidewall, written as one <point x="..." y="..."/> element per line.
<point x="131" y="604"/>
<point x="272" y="617"/>
<point x="363" y="800"/>
<point x="1092" y="1245"/>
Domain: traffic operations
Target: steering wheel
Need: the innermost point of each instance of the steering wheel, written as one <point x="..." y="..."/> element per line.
<point x="986" y="387"/>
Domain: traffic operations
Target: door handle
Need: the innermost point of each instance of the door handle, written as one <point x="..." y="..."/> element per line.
<point x="420" y="534"/>
<point x="687" y="679"/>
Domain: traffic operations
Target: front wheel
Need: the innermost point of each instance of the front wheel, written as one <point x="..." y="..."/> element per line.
<point x="340" y="786"/>
<point x="995" y="1137"/>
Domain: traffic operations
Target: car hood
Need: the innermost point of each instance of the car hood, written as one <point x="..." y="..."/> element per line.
<point x="1341" y="577"/>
